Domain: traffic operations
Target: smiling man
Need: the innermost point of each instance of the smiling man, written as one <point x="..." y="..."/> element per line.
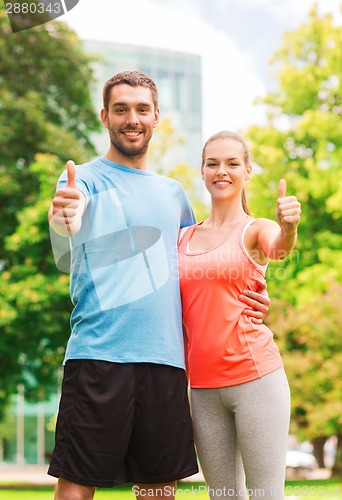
<point x="124" y="412"/>
<point x="130" y="115"/>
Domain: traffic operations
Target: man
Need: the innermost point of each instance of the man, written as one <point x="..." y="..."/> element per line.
<point x="124" y="414"/>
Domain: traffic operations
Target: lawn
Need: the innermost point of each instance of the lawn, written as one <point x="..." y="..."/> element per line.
<point x="294" y="490"/>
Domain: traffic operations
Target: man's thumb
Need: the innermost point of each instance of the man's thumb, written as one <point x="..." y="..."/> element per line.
<point x="71" y="168"/>
<point x="282" y="188"/>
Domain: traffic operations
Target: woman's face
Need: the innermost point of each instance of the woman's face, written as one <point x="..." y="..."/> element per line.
<point x="224" y="170"/>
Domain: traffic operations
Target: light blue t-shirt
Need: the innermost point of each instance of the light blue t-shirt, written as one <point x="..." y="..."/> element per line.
<point x="124" y="266"/>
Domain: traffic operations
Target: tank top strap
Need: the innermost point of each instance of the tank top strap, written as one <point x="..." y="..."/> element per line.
<point x="241" y="226"/>
<point x="245" y="223"/>
<point x="185" y="234"/>
<point x="241" y="236"/>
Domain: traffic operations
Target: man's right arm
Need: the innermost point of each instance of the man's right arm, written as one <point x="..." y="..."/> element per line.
<point x="67" y="207"/>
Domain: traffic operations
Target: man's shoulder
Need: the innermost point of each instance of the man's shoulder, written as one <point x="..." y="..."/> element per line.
<point x="95" y="163"/>
<point x="84" y="171"/>
<point x="90" y="172"/>
<point x="173" y="183"/>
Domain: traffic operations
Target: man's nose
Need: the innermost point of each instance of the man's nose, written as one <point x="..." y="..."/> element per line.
<point x="132" y="117"/>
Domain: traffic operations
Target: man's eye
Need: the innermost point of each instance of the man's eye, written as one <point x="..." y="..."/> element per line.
<point x="120" y="110"/>
<point x="143" y="110"/>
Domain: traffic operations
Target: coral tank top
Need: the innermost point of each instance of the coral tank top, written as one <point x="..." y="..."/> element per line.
<point x="224" y="347"/>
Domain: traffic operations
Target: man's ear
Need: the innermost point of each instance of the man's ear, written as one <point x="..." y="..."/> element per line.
<point x="156" y="117"/>
<point x="104" y="117"/>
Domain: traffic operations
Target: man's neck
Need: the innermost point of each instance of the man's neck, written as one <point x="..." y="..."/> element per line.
<point x="138" y="162"/>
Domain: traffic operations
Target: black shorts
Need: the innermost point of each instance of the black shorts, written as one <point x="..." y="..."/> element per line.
<point x="123" y="422"/>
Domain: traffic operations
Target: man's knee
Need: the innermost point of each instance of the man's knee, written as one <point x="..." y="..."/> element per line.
<point x="67" y="490"/>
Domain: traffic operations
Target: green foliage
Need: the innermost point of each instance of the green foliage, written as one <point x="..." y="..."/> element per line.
<point x="46" y="116"/>
<point x="312" y="354"/>
<point x="44" y="93"/>
<point x="165" y="139"/>
<point x="307" y="287"/>
<point x="45" y="105"/>
<point x="190" y="180"/>
<point x="34" y="322"/>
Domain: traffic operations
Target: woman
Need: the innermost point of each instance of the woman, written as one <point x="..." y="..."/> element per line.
<point x="239" y="392"/>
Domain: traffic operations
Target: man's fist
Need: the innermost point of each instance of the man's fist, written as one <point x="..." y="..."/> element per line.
<point x="65" y="214"/>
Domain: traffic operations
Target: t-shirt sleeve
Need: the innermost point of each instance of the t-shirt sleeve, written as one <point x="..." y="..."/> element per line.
<point x="187" y="214"/>
<point x="81" y="181"/>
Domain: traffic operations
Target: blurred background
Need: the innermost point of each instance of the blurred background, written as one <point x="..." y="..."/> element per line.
<point x="270" y="70"/>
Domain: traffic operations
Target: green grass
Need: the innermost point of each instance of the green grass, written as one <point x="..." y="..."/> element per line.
<point x="294" y="490"/>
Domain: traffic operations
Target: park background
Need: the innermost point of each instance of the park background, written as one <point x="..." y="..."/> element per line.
<point x="270" y="70"/>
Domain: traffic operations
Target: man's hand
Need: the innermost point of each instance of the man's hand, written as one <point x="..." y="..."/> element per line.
<point x="258" y="303"/>
<point x="65" y="214"/>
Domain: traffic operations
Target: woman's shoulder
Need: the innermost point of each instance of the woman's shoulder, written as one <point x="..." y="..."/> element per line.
<point x="254" y="229"/>
<point x="261" y="223"/>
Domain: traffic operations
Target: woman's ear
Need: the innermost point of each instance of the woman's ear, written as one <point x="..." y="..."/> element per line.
<point x="248" y="174"/>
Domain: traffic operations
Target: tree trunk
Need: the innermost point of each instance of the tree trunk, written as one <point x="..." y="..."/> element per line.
<point x="337" y="468"/>
<point x="318" y="450"/>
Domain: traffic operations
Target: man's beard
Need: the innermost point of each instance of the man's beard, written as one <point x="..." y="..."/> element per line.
<point x="132" y="150"/>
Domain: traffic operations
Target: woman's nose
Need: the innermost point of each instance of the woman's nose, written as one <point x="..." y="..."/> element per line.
<point x="222" y="170"/>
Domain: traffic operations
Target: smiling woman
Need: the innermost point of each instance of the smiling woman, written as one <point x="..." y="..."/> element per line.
<point x="235" y="369"/>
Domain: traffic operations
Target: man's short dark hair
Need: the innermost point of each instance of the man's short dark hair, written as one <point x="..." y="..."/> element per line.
<point x="132" y="78"/>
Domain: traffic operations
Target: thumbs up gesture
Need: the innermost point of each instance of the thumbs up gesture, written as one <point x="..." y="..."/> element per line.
<point x="288" y="210"/>
<point x="65" y="214"/>
<point x="71" y="169"/>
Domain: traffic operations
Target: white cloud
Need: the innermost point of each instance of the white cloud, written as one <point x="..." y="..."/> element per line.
<point x="229" y="88"/>
<point x="287" y="9"/>
<point x="229" y="83"/>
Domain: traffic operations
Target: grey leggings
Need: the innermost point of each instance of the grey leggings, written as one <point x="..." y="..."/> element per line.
<point x="242" y="430"/>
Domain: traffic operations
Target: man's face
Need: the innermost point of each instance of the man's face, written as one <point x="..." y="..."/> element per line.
<point x="130" y="119"/>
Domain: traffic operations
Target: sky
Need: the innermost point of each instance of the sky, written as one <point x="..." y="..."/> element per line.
<point x="235" y="39"/>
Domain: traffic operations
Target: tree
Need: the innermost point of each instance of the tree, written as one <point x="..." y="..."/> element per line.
<point x="302" y="142"/>
<point x="45" y="107"/>
<point x="46" y="118"/>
